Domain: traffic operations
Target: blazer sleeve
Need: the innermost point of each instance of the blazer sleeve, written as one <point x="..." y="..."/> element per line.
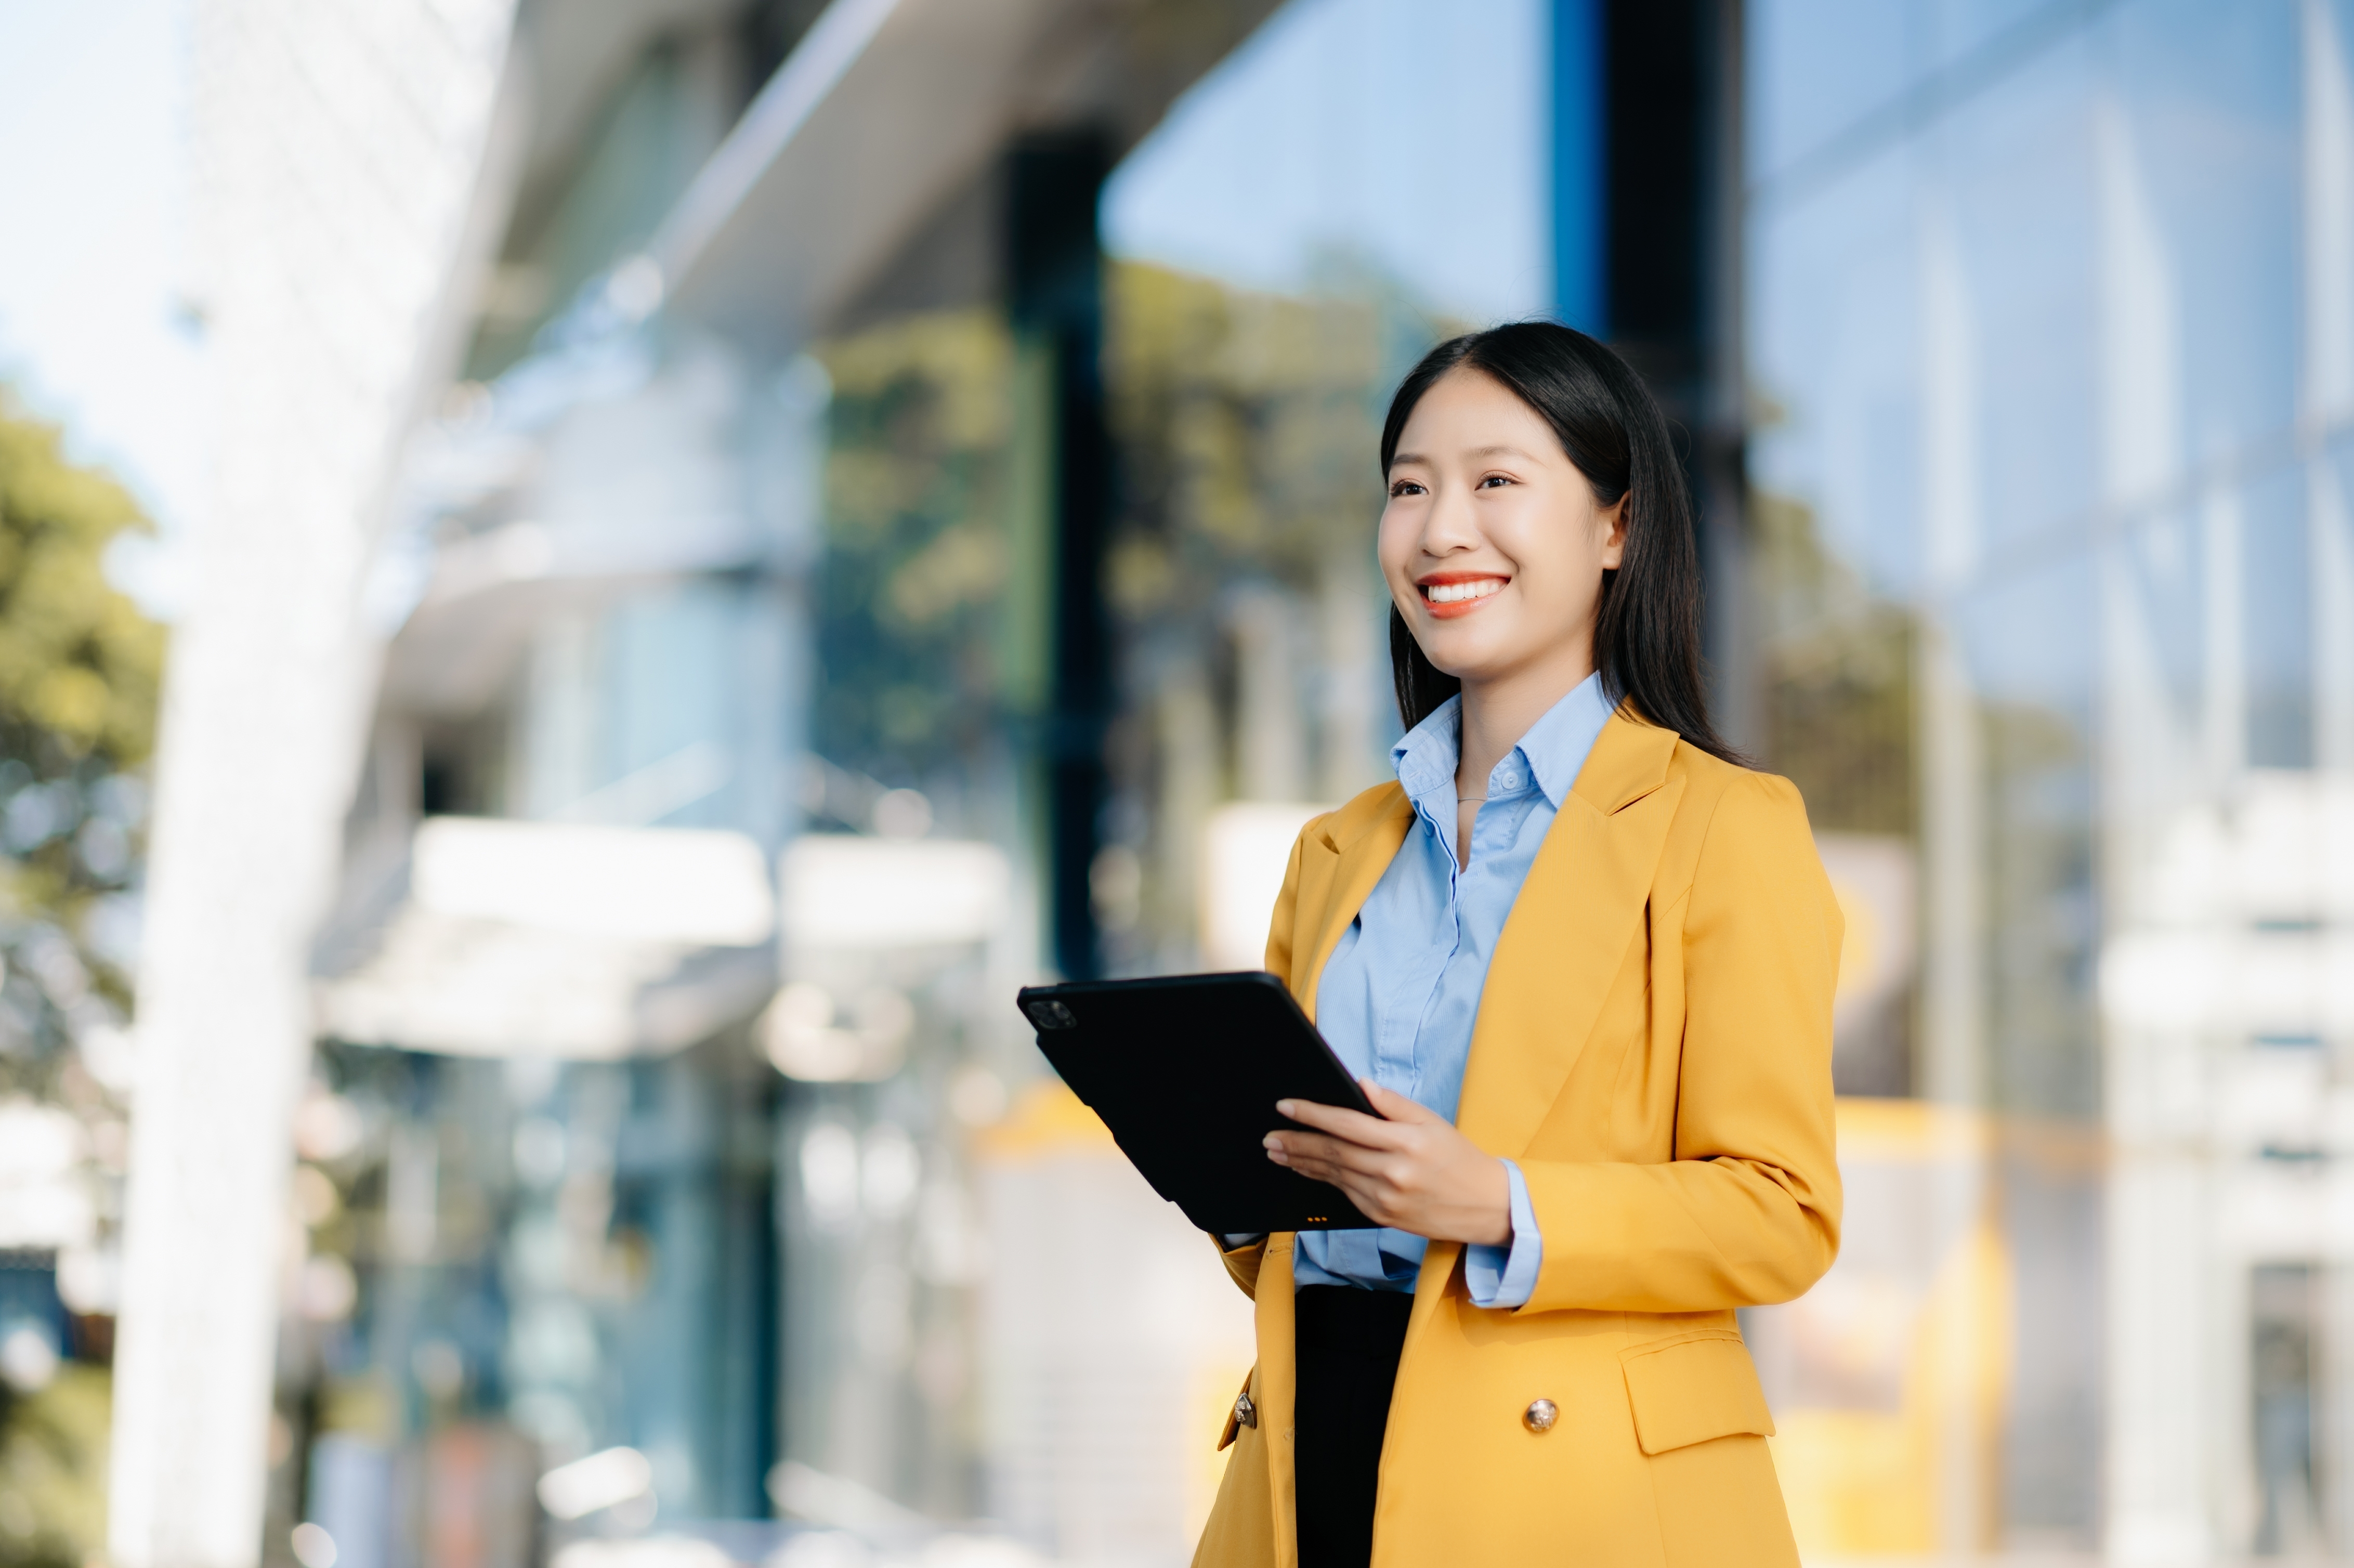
<point x="1747" y="1213"/>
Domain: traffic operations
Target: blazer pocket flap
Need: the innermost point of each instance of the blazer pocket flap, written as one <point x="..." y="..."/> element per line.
<point x="1689" y="1390"/>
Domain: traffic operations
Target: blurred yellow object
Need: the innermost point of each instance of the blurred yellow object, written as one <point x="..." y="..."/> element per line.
<point x="1210" y="1404"/>
<point x="1890" y="1378"/>
<point x="1856" y="1483"/>
<point x="1048" y="1120"/>
<point x="1907" y="1131"/>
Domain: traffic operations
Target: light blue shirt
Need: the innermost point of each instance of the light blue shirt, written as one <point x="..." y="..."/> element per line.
<point x="1401" y="992"/>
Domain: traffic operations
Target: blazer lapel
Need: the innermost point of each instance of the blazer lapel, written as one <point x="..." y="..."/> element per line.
<point x="1568" y="932"/>
<point x="1342" y="865"/>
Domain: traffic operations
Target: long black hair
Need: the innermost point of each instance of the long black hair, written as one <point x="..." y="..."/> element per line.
<point x="1647" y="625"/>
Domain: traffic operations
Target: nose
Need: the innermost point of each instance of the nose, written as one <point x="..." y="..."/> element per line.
<point x="1450" y="526"/>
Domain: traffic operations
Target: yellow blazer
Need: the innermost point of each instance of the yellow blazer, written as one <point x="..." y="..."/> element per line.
<point x="1654" y="1048"/>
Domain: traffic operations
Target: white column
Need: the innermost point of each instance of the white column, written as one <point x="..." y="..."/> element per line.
<point x="1952" y="810"/>
<point x="1953" y="829"/>
<point x="339" y="151"/>
<point x="2158" y="1506"/>
<point x="2223" y="584"/>
<point x="2161" y="1499"/>
<point x="2160" y="1502"/>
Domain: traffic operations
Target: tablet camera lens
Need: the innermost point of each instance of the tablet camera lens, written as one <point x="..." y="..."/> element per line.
<point x="1048" y="1014"/>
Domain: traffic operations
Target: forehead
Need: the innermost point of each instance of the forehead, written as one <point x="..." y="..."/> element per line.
<point x="1468" y="409"/>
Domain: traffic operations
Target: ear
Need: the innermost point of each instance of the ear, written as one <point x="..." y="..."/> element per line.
<point x="1613" y="518"/>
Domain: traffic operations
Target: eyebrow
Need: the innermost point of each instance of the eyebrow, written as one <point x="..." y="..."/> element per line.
<point x="1475" y="451"/>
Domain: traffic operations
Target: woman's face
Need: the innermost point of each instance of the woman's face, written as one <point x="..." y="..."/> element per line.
<point x="1491" y="542"/>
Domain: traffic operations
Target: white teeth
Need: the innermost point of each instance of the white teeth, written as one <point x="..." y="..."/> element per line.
<point x="1454" y="593"/>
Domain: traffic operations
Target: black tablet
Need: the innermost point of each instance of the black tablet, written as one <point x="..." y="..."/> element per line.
<point x="1186" y="1071"/>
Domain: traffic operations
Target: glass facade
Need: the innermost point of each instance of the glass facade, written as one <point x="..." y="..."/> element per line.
<point x="2050" y="354"/>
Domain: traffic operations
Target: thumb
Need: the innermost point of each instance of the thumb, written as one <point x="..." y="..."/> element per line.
<point x="1395" y="1107"/>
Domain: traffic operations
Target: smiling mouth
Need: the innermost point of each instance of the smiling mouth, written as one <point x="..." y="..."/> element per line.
<point x="1448" y="598"/>
<point x="1461" y="592"/>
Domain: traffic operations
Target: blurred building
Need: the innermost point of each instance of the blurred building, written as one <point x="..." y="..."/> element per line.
<point x="821" y="591"/>
<point x="2050" y="339"/>
<point x="708" y="820"/>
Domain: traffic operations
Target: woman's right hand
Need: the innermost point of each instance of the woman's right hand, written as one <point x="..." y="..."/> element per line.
<point x="1409" y="1169"/>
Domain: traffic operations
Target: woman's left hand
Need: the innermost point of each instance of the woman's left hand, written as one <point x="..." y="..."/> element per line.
<point x="1412" y="1171"/>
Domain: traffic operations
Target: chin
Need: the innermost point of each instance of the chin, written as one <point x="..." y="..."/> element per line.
<point x="1464" y="658"/>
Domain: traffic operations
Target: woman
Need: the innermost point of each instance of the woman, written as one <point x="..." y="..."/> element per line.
<point x="1582" y="959"/>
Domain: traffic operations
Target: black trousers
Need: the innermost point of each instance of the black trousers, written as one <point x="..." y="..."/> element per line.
<point x="1346" y="1342"/>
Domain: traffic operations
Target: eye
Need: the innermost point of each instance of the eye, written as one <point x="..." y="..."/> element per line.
<point x="1497" y="479"/>
<point x="1404" y="487"/>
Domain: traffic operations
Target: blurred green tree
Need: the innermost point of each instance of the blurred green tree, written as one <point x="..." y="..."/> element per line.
<point x="1837" y="665"/>
<point x="1246" y="428"/>
<point x="916" y="565"/>
<point x="79" y="666"/>
<point x="53" y="1470"/>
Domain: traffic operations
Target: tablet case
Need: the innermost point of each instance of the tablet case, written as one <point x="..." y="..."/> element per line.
<point x="1185" y="1070"/>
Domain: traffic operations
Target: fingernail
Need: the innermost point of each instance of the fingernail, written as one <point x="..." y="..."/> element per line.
<point x="1272" y="1141"/>
<point x="1283" y="1108"/>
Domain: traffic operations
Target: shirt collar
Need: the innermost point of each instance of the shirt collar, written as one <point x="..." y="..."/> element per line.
<point x="1553" y="750"/>
<point x="1556" y="744"/>
<point x="1426" y="755"/>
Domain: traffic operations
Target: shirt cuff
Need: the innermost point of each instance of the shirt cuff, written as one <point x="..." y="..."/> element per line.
<point x="1507" y="1276"/>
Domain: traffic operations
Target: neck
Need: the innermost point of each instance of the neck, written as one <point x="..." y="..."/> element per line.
<point x="1499" y="710"/>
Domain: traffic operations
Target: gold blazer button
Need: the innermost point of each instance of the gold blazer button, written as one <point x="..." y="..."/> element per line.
<point x="1246" y="1413"/>
<point x="1541" y="1415"/>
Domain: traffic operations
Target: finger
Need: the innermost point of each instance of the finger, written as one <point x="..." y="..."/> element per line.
<point x="1295" y="1147"/>
<point x="1355" y="1126"/>
<point x="1315" y="1169"/>
<point x="1319" y="1164"/>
